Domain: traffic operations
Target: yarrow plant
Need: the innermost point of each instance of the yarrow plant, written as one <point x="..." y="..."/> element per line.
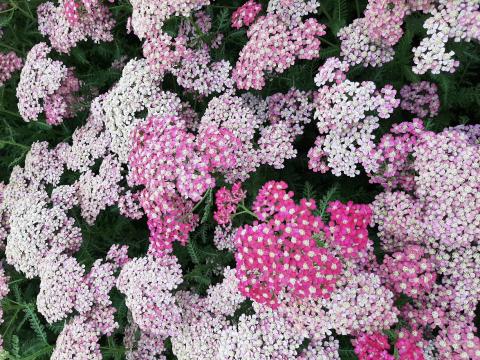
<point x="239" y="180"/>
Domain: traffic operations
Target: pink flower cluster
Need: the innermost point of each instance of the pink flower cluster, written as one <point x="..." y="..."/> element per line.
<point x="148" y="283"/>
<point x="432" y="232"/>
<point x="245" y="15"/>
<point x="421" y="99"/>
<point x="72" y="8"/>
<point x="372" y="347"/>
<point x="65" y="27"/>
<point x="393" y="155"/>
<point x="193" y="67"/>
<point x="9" y="63"/>
<point x="410" y="272"/>
<point x="227" y="202"/>
<point x="384" y="19"/>
<point x="175" y="168"/>
<point x="347" y="228"/>
<point x="266" y="128"/>
<point x="273" y="47"/>
<point x="46" y="85"/>
<point x="278" y="252"/>
<point x="451" y="20"/>
<point x="346" y="131"/>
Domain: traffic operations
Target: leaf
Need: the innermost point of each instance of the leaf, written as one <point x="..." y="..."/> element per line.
<point x="193" y="251"/>
<point x="308" y="191"/>
<point x="323" y="203"/>
<point x="35" y="322"/>
<point x="208" y="206"/>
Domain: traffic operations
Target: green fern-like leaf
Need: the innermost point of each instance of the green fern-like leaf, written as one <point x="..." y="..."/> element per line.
<point x="323" y="203"/>
<point x="15" y="347"/>
<point x="35" y="322"/>
<point x="193" y="251"/>
<point x="308" y="191"/>
<point x="208" y="207"/>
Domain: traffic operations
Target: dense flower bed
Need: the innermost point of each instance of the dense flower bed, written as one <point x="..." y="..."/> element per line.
<point x="244" y="180"/>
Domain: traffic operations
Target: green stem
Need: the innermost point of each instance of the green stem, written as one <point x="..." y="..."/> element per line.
<point x="201" y="201"/>
<point x="13" y="143"/>
<point x="27" y="14"/>
<point x="357" y="6"/>
<point x="10" y="113"/>
<point x="247" y="210"/>
<point x="322" y="10"/>
<point x="327" y="42"/>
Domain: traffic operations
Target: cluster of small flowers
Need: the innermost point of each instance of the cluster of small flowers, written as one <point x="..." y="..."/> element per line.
<point x="421" y="99"/>
<point x="72" y="6"/>
<point x="148" y="16"/>
<point x="357" y="47"/>
<point x="346" y="131"/>
<point x="193" y="67"/>
<point x="273" y="47"/>
<point x="227" y="201"/>
<point x="410" y="272"/>
<point x="393" y="155"/>
<point x="278" y="252"/>
<point x="384" y="19"/>
<point x="147" y="283"/>
<point x="9" y="63"/>
<point x="64" y="34"/>
<point x="432" y="232"/>
<point x="347" y="228"/>
<point x="456" y="20"/>
<point x="245" y="15"/>
<point x="372" y="347"/>
<point x="46" y="85"/>
<point x="360" y="303"/>
<point x="175" y="168"/>
<point x="280" y="119"/>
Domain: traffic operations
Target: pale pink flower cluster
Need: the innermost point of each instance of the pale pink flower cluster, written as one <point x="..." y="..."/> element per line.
<point x="273" y="47"/>
<point x="457" y="20"/>
<point x="96" y="24"/>
<point x="433" y="232"/>
<point x="175" y="167"/>
<point x="9" y="63"/>
<point x="148" y="283"/>
<point x="275" y="122"/>
<point x="72" y="8"/>
<point x="148" y="16"/>
<point x="192" y="65"/>
<point x="347" y="114"/>
<point x="96" y="192"/>
<point x="421" y="99"/>
<point x="292" y="11"/>
<point x="411" y="271"/>
<point x="80" y="336"/>
<point x="359" y="303"/>
<point x="357" y="47"/>
<point x="245" y="15"/>
<point x="384" y="19"/>
<point x="393" y="155"/>
<point x="89" y="143"/>
<point x="46" y="85"/>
